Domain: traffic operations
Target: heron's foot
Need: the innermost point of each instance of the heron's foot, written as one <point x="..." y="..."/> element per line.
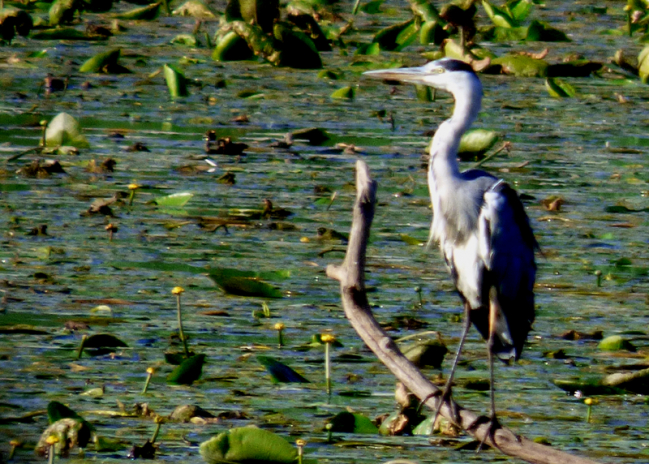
<point x="444" y="397"/>
<point x="491" y="432"/>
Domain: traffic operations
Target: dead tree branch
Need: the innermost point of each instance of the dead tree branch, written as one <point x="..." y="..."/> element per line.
<point x="352" y="288"/>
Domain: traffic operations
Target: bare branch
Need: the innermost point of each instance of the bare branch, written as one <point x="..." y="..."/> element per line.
<point x="352" y="289"/>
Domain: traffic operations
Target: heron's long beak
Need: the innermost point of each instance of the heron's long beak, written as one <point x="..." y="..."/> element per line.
<point x="409" y="75"/>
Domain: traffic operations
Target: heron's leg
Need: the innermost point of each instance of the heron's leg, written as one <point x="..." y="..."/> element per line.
<point x="447" y="388"/>
<point x="493" y="420"/>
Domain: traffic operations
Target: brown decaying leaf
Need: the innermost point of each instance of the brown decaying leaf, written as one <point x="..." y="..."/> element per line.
<point x="553" y="203"/>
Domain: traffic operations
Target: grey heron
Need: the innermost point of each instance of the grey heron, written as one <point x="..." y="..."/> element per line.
<point x="480" y="224"/>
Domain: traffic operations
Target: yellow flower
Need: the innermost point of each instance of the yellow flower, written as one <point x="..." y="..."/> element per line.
<point x="279" y="326"/>
<point x="177" y="290"/>
<point x="327" y="338"/>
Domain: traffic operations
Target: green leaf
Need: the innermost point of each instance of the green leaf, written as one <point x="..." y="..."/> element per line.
<point x="231" y="47"/>
<point x="498" y="16"/>
<point x="432" y="32"/>
<point x="248" y="444"/>
<point x="297" y="49"/>
<point x="344" y="93"/>
<point x="14" y="21"/>
<point x="519" y="10"/>
<point x="280" y="372"/>
<point x="62" y="11"/>
<point x="372" y="7"/>
<point x="425" y="427"/>
<point x="242" y="285"/>
<point x="477" y="141"/>
<point x="176" y="81"/>
<point x="195" y="9"/>
<point x="105" y="62"/>
<point x="146" y="13"/>
<point x="388" y="38"/>
<point x="615" y="343"/>
<point x="104" y="341"/>
<point x="643" y="64"/>
<point x="371" y="49"/>
<point x="189" y="371"/>
<point x="347" y="422"/>
<point x="57" y="411"/>
<point x="411" y="240"/>
<point x="63" y="129"/>
<point x="425" y="353"/>
<point x="176" y="200"/>
<point x="538" y="31"/>
<point x="559" y="89"/>
<point x="521" y="66"/>
<point x="63" y="33"/>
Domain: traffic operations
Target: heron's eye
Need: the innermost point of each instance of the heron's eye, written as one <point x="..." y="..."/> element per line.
<point x="438" y="71"/>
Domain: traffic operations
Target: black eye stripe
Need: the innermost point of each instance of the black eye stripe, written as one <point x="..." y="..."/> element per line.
<point x="455" y="65"/>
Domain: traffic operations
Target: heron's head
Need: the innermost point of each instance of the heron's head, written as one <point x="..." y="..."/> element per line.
<point x="447" y="74"/>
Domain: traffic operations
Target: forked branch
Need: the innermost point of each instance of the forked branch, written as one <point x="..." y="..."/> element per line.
<point x="351" y="275"/>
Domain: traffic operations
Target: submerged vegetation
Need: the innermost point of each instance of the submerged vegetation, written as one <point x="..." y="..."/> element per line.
<point x="208" y="148"/>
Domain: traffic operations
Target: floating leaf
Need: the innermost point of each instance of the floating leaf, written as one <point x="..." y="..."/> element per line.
<point x="313" y="135"/>
<point x="425" y="427"/>
<point x="426" y="353"/>
<point x="195" y="9"/>
<point x="248" y="444"/>
<point x="176" y="81"/>
<point x="344" y="93"/>
<point x="424" y="93"/>
<point x="297" y="49"/>
<point x="559" y="89"/>
<point x="63" y="33"/>
<point x="477" y="141"/>
<point x="411" y="240"/>
<point x="104" y="341"/>
<point x="236" y="284"/>
<point x="279" y="372"/>
<point x="372" y="7"/>
<point x="62" y="11"/>
<point x="189" y="371"/>
<point x="499" y="17"/>
<point x="616" y="343"/>
<point x="643" y="64"/>
<point x="231" y="47"/>
<point x="371" y="49"/>
<point x="521" y="66"/>
<point x="146" y="13"/>
<point x="261" y="13"/>
<point x="432" y="32"/>
<point x="175" y="200"/>
<point x="105" y="62"/>
<point x="390" y="38"/>
<point x="578" y="68"/>
<point x="57" y="411"/>
<point x="63" y="129"/>
<point x="540" y="32"/>
<point x="519" y="10"/>
<point x="346" y="422"/>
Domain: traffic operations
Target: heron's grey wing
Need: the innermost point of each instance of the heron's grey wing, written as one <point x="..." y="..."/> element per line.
<point x="507" y="247"/>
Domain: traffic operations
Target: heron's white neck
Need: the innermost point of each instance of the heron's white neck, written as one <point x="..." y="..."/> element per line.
<point x="443" y="151"/>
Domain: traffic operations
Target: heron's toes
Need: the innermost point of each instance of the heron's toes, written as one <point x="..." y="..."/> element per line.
<point x="491" y="432"/>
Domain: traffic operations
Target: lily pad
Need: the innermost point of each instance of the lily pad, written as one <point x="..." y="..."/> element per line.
<point x="280" y="372"/>
<point x="189" y="371"/>
<point x="63" y="129"/>
<point x="248" y="444"/>
<point x="477" y="142"/>
<point x="231" y="47"/>
<point x="559" y="89"/>
<point x="616" y="343"/>
<point x="344" y="93"/>
<point x="241" y="285"/>
<point x="14" y="21"/>
<point x="521" y="66"/>
<point x="347" y="422"/>
<point x="175" y="200"/>
<point x="105" y="62"/>
<point x="176" y="81"/>
<point x="145" y="13"/>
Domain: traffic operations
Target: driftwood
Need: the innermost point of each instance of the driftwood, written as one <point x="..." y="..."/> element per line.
<point x="352" y="288"/>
